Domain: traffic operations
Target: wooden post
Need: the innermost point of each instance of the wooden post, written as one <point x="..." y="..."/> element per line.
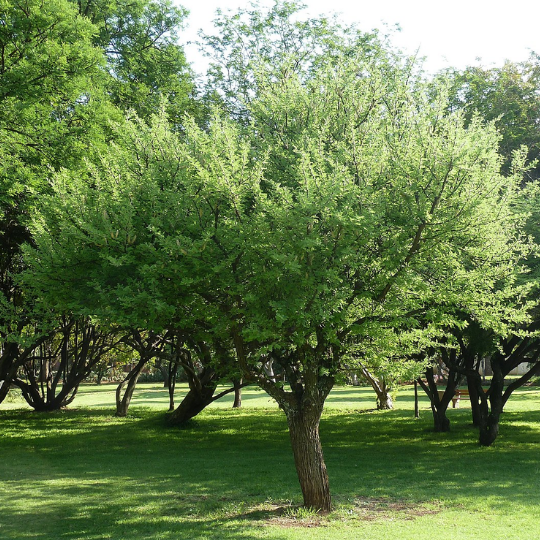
<point x="416" y="410"/>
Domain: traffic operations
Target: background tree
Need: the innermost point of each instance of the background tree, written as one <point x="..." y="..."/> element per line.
<point x="50" y="377"/>
<point x="51" y="115"/>
<point x="384" y="358"/>
<point x="67" y="70"/>
<point x="510" y="97"/>
<point x="145" y="61"/>
<point x="276" y="41"/>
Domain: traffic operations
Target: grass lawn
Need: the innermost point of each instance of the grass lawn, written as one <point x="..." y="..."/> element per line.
<point x="84" y="474"/>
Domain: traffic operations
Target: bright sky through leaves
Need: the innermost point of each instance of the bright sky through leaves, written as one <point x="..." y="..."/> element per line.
<point x="448" y="33"/>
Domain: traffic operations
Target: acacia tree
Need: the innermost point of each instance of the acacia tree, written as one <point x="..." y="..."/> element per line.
<point x="384" y="357"/>
<point x="67" y="69"/>
<point x="205" y="366"/>
<point x="350" y="202"/>
<point x="50" y="377"/>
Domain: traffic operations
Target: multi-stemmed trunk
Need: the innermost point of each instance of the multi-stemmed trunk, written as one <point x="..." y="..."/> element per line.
<point x="491" y="405"/>
<point x="13" y="357"/>
<point x="59" y="363"/>
<point x="439" y="402"/>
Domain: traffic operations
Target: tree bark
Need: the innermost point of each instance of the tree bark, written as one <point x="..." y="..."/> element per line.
<point x="200" y="394"/>
<point x="172" y="372"/>
<point x="129" y="382"/>
<point x="7" y="370"/>
<point x="237" y="393"/>
<point x="489" y="419"/>
<point x="192" y="404"/>
<point x="441" y="422"/>
<point x="308" y="457"/>
<point x="474" y="385"/>
<point x="416" y="408"/>
<point x="439" y="404"/>
<point x="384" y="399"/>
<point x="303" y="407"/>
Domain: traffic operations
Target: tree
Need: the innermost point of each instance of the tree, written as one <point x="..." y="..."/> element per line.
<point x="147" y="346"/>
<point x="214" y="363"/>
<point x="350" y="203"/>
<point x="275" y="41"/>
<point x="145" y="61"/>
<point x="64" y="65"/>
<point x="50" y="116"/>
<point x="508" y="96"/>
<point x="385" y="360"/>
<point x="51" y="375"/>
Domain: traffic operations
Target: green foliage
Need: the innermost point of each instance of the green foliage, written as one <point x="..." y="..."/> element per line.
<point x="145" y="61"/>
<point x="52" y="114"/>
<point x="350" y="203"/>
<point x="509" y="97"/>
<point x="255" y="45"/>
<point x="333" y="205"/>
<point x="47" y="64"/>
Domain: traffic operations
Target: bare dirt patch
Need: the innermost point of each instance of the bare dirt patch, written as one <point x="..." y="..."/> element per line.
<point x="360" y="509"/>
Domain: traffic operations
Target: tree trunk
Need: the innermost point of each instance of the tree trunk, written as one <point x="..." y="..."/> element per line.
<point x="439" y="403"/>
<point x="474" y="382"/>
<point x="489" y="420"/>
<point x="416" y="408"/>
<point x="52" y="403"/>
<point x="237" y="393"/>
<point x="8" y="367"/>
<point x="4" y="388"/>
<point x="303" y="407"/>
<point x="193" y="403"/>
<point x="200" y="394"/>
<point x="489" y="429"/>
<point x="308" y="457"/>
<point x="384" y="400"/>
<point x="441" y="423"/>
<point x="123" y="402"/>
<point x="171" y="383"/>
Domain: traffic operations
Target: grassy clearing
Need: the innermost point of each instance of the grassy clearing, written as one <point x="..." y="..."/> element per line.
<point x="84" y="474"/>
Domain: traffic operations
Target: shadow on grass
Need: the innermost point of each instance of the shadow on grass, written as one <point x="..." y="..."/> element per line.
<point x="398" y="457"/>
<point x="86" y="474"/>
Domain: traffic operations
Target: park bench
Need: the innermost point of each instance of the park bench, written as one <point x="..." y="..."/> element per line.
<point x="459" y="393"/>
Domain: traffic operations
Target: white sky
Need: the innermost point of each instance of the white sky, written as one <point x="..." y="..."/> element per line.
<point x="449" y="33"/>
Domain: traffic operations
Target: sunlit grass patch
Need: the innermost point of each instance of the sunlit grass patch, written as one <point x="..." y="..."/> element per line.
<point x="85" y="474"/>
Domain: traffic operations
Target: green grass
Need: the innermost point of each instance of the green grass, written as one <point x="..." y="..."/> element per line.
<point x="84" y="474"/>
